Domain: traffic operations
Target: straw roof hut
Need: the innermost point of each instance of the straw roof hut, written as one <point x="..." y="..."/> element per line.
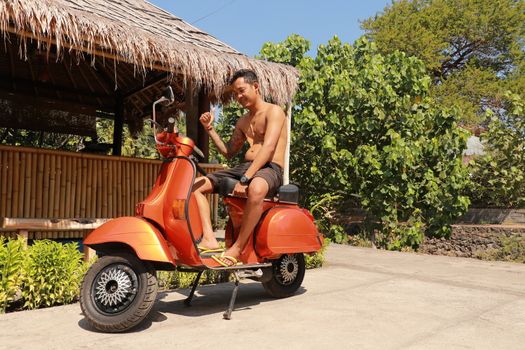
<point x="65" y="61"/>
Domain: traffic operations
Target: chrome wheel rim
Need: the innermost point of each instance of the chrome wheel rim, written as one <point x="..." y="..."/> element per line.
<point x="114" y="289"/>
<point x="287" y="269"/>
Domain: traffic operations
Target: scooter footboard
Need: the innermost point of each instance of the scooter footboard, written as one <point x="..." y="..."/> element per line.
<point x="286" y="230"/>
<point x="141" y="236"/>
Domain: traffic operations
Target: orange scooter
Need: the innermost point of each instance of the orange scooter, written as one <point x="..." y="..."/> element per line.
<point x="120" y="288"/>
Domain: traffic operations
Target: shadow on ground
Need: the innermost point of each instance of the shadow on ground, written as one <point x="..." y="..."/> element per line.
<point x="209" y="299"/>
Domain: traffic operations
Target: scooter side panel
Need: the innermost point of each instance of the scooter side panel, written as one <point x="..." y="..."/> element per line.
<point x="147" y="242"/>
<point x="286" y="230"/>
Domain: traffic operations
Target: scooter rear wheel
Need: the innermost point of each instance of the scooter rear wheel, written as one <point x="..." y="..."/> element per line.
<point x="118" y="292"/>
<point x="287" y="276"/>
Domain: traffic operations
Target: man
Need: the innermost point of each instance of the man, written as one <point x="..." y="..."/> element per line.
<point x="261" y="173"/>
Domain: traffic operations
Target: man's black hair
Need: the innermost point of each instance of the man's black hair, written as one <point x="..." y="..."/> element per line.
<point x="249" y="76"/>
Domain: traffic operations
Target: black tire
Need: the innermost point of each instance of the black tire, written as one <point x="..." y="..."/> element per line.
<point x="118" y="292"/>
<point x="287" y="276"/>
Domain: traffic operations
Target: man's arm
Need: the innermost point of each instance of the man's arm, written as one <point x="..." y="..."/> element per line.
<point x="233" y="146"/>
<point x="274" y="125"/>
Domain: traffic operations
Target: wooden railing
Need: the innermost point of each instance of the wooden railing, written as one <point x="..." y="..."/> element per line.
<point x="41" y="183"/>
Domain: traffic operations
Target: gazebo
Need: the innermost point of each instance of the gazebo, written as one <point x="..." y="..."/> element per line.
<point x="65" y="62"/>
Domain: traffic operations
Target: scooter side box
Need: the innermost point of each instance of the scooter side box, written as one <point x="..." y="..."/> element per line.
<point x="286" y="230"/>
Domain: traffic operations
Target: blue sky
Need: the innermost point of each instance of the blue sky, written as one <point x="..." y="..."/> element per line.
<point x="247" y="24"/>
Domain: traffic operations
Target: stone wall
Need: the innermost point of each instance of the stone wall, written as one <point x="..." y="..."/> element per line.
<point x="468" y="240"/>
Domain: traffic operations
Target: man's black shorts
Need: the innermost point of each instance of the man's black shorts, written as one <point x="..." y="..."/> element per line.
<point x="272" y="173"/>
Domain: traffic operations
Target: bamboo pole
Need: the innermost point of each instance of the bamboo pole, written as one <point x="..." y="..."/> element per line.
<point x="16" y="184"/>
<point x="83" y="187"/>
<point x="22" y="177"/>
<point x="111" y="184"/>
<point x="91" y="188"/>
<point x="4" y="177"/>
<point x="77" y="186"/>
<point x="34" y="179"/>
<point x="40" y="191"/>
<point x="118" y="187"/>
<point x="52" y="184"/>
<point x="46" y="186"/>
<point x="127" y="189"/>
<point x="141" y="182"/>
<point x="69" y="178"/>
<point x="73" y="194"/>
<point x="97" y="210"/>
<point x="63" y="186"/>
<point x="56" y="192"/>
<point x="27" y="185"/>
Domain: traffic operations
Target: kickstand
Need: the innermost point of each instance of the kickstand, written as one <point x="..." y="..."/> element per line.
<point x="187" y="301"/>
<point x="227" y="314"/>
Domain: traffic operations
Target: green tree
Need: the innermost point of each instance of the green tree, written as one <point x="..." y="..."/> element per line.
<point x="366" y="132"/>
<point x="498" y="177"/>
<point x="472" y="49"/>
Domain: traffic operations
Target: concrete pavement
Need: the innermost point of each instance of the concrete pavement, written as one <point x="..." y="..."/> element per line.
<point x="361" y="299"/>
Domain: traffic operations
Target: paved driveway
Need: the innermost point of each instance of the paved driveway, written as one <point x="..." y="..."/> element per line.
<point x="361" y="299"/>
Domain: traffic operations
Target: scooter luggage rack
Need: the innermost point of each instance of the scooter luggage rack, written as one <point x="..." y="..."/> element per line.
<point x="239" y="272"/>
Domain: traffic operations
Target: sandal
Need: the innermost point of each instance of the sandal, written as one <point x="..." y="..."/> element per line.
<point x="204" y="250"/>
<point x="226" y="260"/>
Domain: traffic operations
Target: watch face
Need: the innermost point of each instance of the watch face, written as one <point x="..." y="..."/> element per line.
<point x="244" y="180"/>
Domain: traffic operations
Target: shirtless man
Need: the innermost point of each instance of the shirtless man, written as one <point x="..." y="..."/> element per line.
<point x="261" y="173"/>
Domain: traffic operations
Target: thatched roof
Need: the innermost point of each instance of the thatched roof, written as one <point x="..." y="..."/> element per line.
<point x="139" y="33"/>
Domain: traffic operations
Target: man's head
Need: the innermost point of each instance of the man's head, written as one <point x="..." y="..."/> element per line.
<point x="245" y="87"/>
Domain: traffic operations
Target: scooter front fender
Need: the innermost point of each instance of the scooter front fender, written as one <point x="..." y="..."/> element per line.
<point x="137" y="233"/>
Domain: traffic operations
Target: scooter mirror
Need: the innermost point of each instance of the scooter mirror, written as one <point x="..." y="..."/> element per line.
<point x="168" y="95"/>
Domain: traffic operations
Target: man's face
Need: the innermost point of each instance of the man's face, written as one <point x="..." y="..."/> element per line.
<point x="245" y="93"/>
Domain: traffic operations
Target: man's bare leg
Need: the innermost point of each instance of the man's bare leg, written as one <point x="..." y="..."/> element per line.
<point x="202" y="186"/>
<point x="252" y="213"/>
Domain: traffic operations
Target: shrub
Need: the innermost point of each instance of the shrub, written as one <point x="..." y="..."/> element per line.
<point x="52" y="273"/>
<point x="366" y="130"/>
<point x="498" y="177"/>
<point x="177" y="279"/>
<point x="12" y="255"/>
<point x="317" y="260"/>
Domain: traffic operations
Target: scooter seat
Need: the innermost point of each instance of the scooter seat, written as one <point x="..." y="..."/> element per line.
<point x="286" y="194"/>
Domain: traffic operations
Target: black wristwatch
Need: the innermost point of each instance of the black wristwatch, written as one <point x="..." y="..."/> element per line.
<point x="244" y="180"/>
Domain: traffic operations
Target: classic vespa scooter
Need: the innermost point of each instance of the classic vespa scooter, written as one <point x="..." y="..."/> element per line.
<point x="120" y="288"/>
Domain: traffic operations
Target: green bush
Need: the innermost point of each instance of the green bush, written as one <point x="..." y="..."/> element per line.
<point x="498" y="177"/>
<point x="177" y="279"/>
<point x="44" y="274"/>
<point x="317" y="260"/>
<point x="12" y="256"/>
<point x="52" y="273"/>
<point x="365" y="130"/>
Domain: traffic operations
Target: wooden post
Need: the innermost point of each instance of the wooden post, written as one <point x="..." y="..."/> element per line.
<point x="203" y="137"/>
<point x="286" y="175"/>
<point x="192" y="112"/>
<point x="118" y="126"/>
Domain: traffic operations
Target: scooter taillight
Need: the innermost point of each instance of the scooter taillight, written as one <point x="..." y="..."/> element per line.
<point x="308" y="214"/>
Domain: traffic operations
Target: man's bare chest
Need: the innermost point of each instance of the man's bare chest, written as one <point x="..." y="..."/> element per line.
<point x="256" y="128"/>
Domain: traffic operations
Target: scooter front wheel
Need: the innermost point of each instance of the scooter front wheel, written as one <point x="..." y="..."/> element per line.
<point x="287" y="275"/>
<point x="118" y="292"/>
